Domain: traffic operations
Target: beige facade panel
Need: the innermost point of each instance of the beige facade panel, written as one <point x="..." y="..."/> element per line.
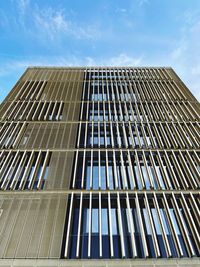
<point x="35" y="170"/>
<point x="49" y="136"/>
<point x="32" y="226"/>
<point x="60" y="171"/>
<point x="43" y="85"/>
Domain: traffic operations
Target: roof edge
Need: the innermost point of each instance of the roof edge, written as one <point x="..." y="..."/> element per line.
<point x="97" y="67"/>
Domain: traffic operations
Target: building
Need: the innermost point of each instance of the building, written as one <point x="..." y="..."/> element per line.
<point x="100" y="166"/>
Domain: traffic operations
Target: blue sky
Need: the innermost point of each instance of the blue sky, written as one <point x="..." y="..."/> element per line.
<point x="100" y="32"/>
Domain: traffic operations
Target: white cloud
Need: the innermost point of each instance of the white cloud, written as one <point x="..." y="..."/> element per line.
<point x="51" y="22"/>
<point x="54" y="23"/>
<point x="90" y="61"/>
<point x="185" y="57"/>
<point x="191" y="17"/>
<point x="122" y="10"/>
<point x="179" y="50"/>
<point x="122" y="60"/>
<point x="196" y="70"/>
<point x="142" y="2"/>
<point x="4" y="21"/>
<point x="22" y="4"/>
<point x="47" y="23"/>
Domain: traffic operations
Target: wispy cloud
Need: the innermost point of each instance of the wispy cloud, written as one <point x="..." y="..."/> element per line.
<point x="34" y="31"/>
<point x="22" y="5"/>
<point x="142" y="2"/>
<point x="4" y="21"/>
<point x="49" y="22"/>
<point x="121" y="10"/>
<point x="120" y="60"/>
<point x="185" y="57"/>
<point x="52" y="23"/>
<point x="179" y="50"/>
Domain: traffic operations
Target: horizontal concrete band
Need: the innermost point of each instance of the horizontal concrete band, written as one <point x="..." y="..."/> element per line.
<point x="100" y="263"/>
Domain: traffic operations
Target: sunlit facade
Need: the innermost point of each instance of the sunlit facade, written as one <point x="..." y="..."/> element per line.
<point x="100" y="165"/>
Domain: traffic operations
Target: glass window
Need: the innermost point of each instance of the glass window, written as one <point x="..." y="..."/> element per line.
<point x="103" y="177"/>
<point x="104" y="219"/>
<point x="95" y="182"/>
<point x="95" y="220"/>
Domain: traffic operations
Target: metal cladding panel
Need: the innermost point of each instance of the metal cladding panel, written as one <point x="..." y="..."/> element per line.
<point x="59" y="174"/>
<point x="59" y="85"/>
<point x="32" y="226"/>
<point x="35" y="118"/>
<point x="40" y="111"/>
<point x="71" y="111"/>
<point x="49" y="136"/>
<point x="4" y="106"/>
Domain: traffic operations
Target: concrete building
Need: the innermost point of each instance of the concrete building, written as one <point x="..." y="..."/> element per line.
<point x="99" y="167"/>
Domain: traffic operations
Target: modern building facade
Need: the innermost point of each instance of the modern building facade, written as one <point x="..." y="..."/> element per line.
<point x="99" y="166"/>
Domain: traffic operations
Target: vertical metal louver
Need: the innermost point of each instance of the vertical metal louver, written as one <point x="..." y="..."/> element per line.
<point x="137" y="166"/>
